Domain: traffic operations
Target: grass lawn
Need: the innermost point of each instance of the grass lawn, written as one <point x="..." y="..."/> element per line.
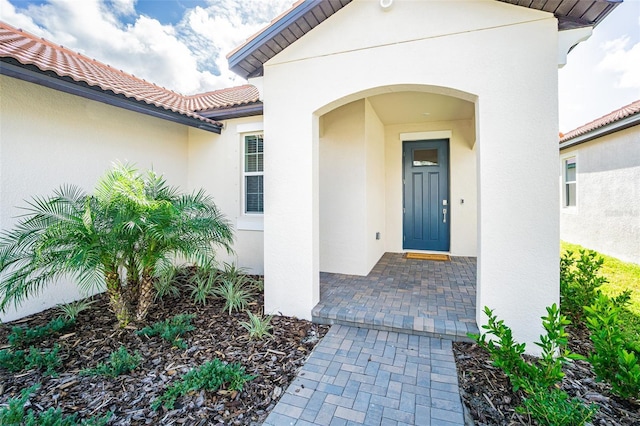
<point x="621" y="276"/>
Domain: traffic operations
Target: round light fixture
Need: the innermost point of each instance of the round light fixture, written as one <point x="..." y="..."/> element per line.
<point x="386" y="4"/>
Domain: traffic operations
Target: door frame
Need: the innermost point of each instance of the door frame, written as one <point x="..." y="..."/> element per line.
<point x="426" y="137"/>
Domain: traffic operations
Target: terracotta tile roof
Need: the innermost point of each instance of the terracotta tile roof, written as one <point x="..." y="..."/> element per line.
<point x="28" y="49"/>
<point x="223" y="98"/>
<point x="617" y="115"/>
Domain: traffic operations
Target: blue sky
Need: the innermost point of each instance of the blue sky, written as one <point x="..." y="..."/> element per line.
<point x="182" y="45"/>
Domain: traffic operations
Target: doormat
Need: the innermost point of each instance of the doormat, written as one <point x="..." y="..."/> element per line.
<point x="428" y="256"/>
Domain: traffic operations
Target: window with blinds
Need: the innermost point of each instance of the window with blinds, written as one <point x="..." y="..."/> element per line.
<point x="570" y="178"/>
<point x="253" y="174"/>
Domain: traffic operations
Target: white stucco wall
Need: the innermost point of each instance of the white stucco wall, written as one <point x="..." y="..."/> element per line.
<point x="215" y="164"/>
<point x="351" y="189"/>
<point x="607" y="215"/>
<point x="49" y="138"/>
<point x="503" y="57"/>
<point x="376" y="196"/>
<point x="342" y="200"/>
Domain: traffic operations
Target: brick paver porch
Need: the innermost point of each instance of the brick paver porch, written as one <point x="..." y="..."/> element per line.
<point x="423" y="297"/>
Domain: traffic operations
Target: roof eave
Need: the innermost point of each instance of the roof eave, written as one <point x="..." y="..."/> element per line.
<point x="220" y="114"/>
<point x="616" y="126"/>
<point x="236" y="58"/>
<point x="67" y="85"/>
<point x="242" y="62"/>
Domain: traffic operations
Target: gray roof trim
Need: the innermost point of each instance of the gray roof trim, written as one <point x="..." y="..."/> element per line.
<point x="616" y="126"/>
<point x="221" y="114"/>
<point x="33" y="74"/>
<point x="249" y="59"/>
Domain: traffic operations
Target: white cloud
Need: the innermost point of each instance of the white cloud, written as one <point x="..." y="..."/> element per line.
<point x="124" y="7"/>
<point x="623" y="60"/>
<point x="188" y="57"/>
<point x="602" y="74"/>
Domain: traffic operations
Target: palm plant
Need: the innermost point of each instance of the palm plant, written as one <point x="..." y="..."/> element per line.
<point x="67" y="234"/>
<point x="133" y="227"/>
<point x="177" y="225"/>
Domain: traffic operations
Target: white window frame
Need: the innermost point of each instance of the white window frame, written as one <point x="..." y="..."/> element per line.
<point x="563" y="191"/>
<point x="248" y="221"/>
<point x="245" y="173"/>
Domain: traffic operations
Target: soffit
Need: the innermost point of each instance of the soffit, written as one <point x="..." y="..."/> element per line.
<point x="248" y="59"/>
<point x="417" y="107"/>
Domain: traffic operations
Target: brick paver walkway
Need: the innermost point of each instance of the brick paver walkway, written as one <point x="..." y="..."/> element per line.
<point x="431" y="298"/>
<point x="372" y="377"/>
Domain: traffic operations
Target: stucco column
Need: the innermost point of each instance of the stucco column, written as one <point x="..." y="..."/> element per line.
<point x="518" y="232"/>
<point x="291" y="210"/>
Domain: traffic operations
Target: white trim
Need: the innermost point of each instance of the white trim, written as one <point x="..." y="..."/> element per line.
<point x="251" y="222"/>
<point x="244" y="173"/>
<point x="418" y="136"/>
<point x="257" y="126"/>
<point x="568" y="39"/>
<point x="563" y="159"/>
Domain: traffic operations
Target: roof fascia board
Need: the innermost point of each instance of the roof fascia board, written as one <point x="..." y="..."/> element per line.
<point x="99" y="95"/>
<point x="234" y="112"/>
<point x="625" y="123"/>
<point x="284" y="22"/>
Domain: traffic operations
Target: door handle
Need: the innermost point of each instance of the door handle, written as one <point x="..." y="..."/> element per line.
<point x="444" y="215"/>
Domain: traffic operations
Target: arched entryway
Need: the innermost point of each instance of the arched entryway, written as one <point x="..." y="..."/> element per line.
<point x="377" y="192"/>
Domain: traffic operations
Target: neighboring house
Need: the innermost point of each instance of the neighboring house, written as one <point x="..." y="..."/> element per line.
<point x="600" y="184"/>
<point x="387" y="127"/>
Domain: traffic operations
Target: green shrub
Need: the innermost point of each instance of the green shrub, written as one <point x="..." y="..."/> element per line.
<point x="165" y="284"/>
<point x="71" y="310"/>
<point x="18" y="360"/>
<point x="12" y="360"/>
<point x="202" y="283"/>
<point x="120" y="362"/>
<point x="14" y="414"/>
<point x="211" y="376"/>
<point x="553" y="407"/>
<point x="171" y="329"/>
<point x="580" y="281"/>
<point x="20" y="336"/>
<point x="236" y="296"/>
<point x="538" y="379"/>
<point x="611" y="361"/>
<point x="232" y="272"/>
<point x="47" y="360"/>
<point x="258" y="326"/>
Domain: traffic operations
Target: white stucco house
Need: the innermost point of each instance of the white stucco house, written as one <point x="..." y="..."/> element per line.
<point x="600" y="184"/>
<point x="368" y="127"/>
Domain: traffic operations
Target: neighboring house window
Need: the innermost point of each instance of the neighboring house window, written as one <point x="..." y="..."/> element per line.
<point x="253" y="174"/>
<point x="569" y="173"/>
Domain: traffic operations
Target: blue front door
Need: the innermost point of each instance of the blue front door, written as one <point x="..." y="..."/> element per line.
<point x="426" y="195"/>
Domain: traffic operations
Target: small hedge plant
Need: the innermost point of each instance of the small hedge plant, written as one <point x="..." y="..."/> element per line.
<point x="16" y="360"/>
<point x="14" y="414"/>
<point x="20" y="337"/>
<point x="544" y="401"/>
<point x="611" y="361"/>
<point x="120" y="362"/>
<point x="171" y="329"/>
<point x="211" y="376"/>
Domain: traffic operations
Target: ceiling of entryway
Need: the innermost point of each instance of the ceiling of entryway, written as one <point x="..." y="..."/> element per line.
<point x="419" y="107"/>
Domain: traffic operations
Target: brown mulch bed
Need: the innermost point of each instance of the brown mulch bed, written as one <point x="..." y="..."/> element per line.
<point x="489" y="398"/>
<point x="217" y="335"/>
